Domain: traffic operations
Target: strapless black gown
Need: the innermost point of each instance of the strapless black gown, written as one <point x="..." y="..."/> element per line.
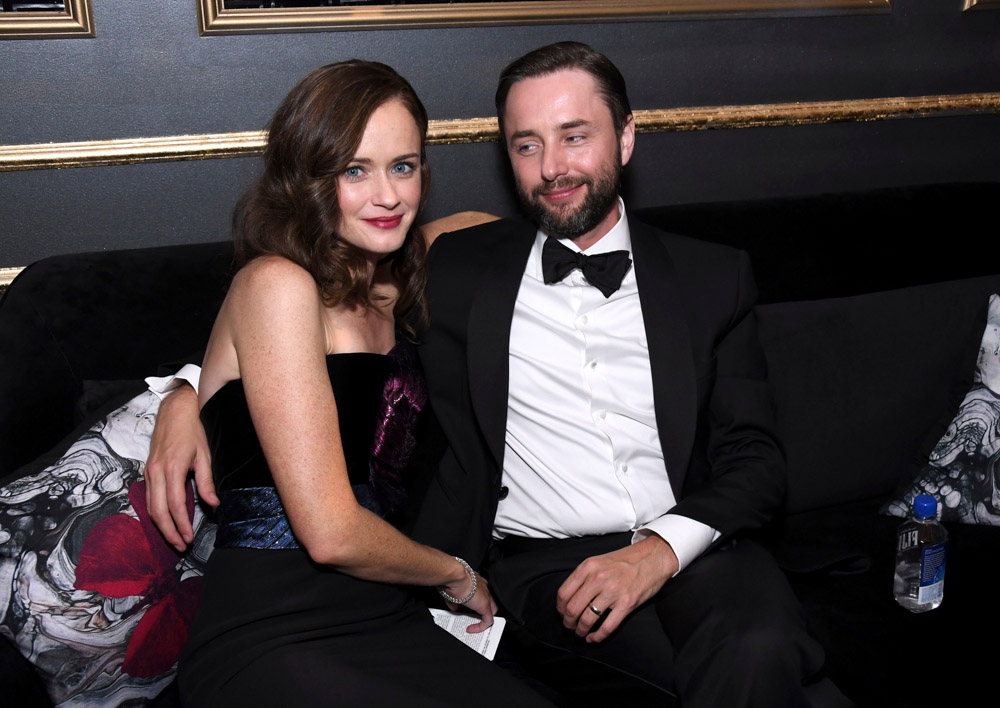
<point x="274" y="627"/>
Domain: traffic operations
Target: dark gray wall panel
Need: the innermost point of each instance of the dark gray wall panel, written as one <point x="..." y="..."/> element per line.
<point x="46" y="212"/>
<point x="148" y="73"/>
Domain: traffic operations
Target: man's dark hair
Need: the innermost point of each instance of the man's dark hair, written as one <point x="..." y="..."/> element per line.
<point x="567" y="55"/>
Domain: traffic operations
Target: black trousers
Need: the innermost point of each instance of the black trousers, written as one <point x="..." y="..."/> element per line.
<point x="726" y="631"/>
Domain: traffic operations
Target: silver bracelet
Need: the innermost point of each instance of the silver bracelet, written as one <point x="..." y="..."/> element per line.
<point x="463" y="600"/>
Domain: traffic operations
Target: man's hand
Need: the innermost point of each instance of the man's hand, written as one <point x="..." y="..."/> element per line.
<point x="178" y="446"/>
<point x="615" y="584"/>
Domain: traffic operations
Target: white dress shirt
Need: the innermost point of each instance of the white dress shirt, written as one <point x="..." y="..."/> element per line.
<point x="582" y="453"/>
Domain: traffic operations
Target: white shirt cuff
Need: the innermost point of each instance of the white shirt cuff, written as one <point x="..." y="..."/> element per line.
<point x="162" y="385"/>
<point x="688" y="538"/>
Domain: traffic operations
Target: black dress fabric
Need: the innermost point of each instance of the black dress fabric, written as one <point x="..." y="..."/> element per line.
<point x="274" y="627"/>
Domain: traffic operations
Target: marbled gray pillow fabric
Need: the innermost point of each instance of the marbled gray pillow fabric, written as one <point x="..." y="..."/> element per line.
<point x="90" y="592"/>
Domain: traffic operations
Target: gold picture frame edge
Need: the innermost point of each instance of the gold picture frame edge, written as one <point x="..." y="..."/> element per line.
<point x="76" y="23"/>
<point x="215" y="19"/>
<point x="96" y="153"/>
<point x="978" y="5"/>
<point x="7" y="276"/>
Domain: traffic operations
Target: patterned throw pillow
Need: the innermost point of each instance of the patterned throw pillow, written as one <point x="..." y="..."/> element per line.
<point x="90" y="592"/>
<point x="963" y="473"/>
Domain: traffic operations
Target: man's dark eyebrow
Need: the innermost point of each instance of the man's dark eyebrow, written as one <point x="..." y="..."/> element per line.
<point x="523" y="134"/>
<point x="568" y="125"/>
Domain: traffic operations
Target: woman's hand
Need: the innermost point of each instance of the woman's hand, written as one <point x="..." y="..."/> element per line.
<point x="482" y="603"/>
<point x="178" y="445"/>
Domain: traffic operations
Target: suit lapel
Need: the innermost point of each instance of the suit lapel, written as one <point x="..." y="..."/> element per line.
<point x="489" y="332"/>
<point x="670" y="357"/>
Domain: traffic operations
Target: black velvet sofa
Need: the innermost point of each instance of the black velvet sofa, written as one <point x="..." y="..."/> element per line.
<point x="871" y="311"/>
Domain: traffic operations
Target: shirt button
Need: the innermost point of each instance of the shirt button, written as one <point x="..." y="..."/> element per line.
<point x="603" y="414"/>
<point x="593" y="365"/>
<point x="625" y="468"/>
<point x="584" y="320"/>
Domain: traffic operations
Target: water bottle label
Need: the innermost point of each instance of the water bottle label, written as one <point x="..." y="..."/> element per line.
<point x="907" y="539"/>
<point x="932" y="573"/>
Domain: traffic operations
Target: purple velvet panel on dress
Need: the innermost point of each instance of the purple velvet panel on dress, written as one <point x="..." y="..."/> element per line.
<point x="405" y="395"/>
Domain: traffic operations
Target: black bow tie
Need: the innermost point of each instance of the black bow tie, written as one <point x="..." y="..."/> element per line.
<point x="604" y="270"/>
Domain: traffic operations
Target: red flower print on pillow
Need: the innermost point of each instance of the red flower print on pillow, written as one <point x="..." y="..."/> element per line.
<point x="122" y="557"/>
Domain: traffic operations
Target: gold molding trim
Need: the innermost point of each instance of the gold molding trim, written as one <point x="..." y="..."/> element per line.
<point x="981" y="5"/>
<point x="128" y="151"/>
<point x="77" y="22"/>
<point x="7" y="276"/>
<point x="456" y="131"/>
<point x="215" y="19"/>
<point x="784" y="114"/>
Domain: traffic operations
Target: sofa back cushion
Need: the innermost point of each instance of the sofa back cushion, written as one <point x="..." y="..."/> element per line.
<point x="865" y="385"/>
<point x="835" y="245"/>
<point x="72" y="324"/>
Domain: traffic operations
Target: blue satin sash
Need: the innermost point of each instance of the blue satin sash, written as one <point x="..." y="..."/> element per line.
<point x="253" y="518"/>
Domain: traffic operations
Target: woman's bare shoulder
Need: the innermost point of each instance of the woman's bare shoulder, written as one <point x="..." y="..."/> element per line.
<point x="272" y="283"/>
<point x="275" y="272"/>
<point x="271" y="300"/>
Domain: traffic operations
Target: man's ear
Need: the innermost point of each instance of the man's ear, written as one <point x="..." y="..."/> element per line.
<point x="627" y="138"/>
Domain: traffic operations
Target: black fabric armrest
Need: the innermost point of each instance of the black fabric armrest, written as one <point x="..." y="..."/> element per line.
<point x="97" y="317"/>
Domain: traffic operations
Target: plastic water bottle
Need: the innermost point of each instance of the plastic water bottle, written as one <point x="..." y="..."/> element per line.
<point x="921" y="546"/>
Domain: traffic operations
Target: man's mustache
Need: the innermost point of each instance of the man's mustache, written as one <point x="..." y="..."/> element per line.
<point x="561" y="184"/>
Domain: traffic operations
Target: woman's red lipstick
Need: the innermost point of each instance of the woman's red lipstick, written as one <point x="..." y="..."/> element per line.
<point x="385" y="222"/>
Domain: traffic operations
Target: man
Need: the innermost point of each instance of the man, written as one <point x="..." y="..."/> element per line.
<point x="608" y="419"/>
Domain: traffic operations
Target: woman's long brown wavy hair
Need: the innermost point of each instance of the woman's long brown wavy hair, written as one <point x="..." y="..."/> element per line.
<point x="292" y="210"/>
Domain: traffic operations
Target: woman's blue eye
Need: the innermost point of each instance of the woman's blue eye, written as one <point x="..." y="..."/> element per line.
<point x="402" y="168"/>
<point x="352" y="172"/>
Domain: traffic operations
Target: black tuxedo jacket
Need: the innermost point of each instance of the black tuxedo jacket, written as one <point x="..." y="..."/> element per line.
<point x="713" y="405"/>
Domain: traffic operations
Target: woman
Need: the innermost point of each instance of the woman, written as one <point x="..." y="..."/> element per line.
<point x="309" y="401"/>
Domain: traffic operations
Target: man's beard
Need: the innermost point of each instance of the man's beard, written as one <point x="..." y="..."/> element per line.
<point x="569" y="222"/>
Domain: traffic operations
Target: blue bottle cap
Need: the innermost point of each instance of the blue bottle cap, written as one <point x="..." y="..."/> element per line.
<point x="925" y="505"/>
